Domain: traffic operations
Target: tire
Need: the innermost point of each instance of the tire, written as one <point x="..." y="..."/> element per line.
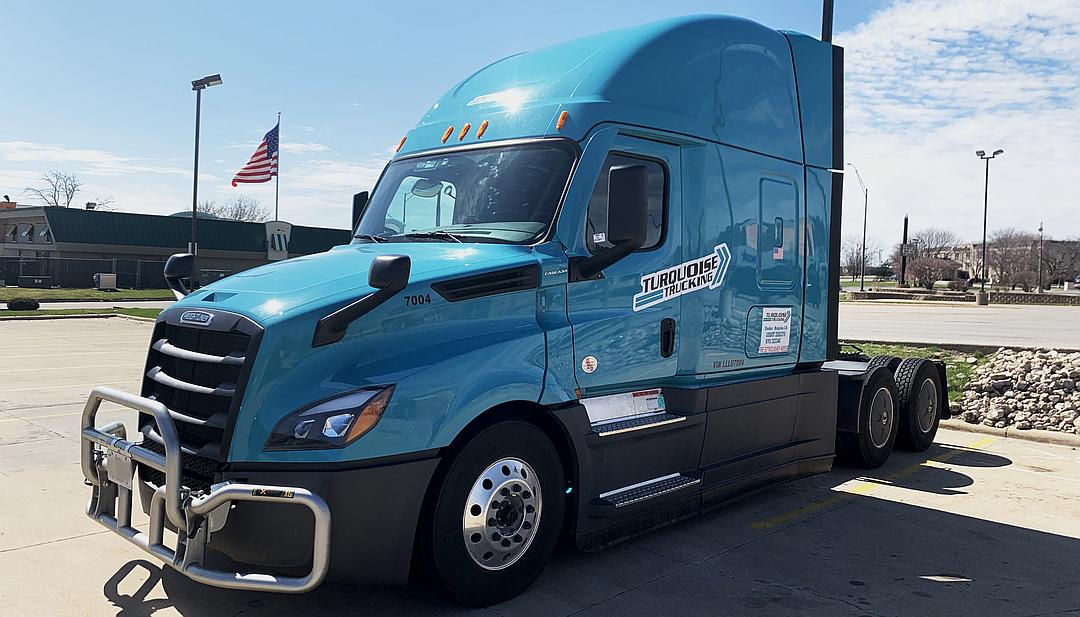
<point x="481" y="554"/>
<point x="878" y="425"/>
<point x="919" y="388"/>
<point x="889" y="362"/>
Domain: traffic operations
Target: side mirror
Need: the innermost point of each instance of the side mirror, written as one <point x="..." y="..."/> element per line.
<point x="359" y="202"/>
<point x="628" y="217"/>
<point x="178" y="267"/>
<point x="388" y="274"/>
<point x="628" y="198"/>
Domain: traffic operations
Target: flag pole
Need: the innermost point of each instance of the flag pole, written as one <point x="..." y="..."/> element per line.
<point x="277" y="177"/>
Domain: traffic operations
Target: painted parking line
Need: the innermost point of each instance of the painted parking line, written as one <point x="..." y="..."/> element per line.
<point x="64" y="368"/>
<point x="857" y="487"/>
<point x="74" y="385"/>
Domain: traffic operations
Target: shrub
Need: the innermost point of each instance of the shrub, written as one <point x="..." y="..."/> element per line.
<point x="959" y="285"/>
<point x="23" y="304"/>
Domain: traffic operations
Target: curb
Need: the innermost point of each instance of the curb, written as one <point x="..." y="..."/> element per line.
<point x="962" y="347"/>
<point x="46" y="316"/>
<point x="84" y="316"/>
<point x="1037" y="436"/>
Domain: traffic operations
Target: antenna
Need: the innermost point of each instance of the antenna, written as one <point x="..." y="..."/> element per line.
<point x="826" y="20"/>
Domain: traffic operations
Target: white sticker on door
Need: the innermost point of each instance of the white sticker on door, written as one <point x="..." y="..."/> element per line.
<point x="702" y="273"/>
<point x="775" y="330"/>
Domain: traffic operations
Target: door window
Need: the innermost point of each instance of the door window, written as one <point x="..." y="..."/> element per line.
<point x="599" y="209"/>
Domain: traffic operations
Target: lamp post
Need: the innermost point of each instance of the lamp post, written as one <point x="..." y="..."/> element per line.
<point x="986" y="197"/>
<point x="1041" y="257"/>
<point x="866" y="201"/>
<point x="198" y="86"/>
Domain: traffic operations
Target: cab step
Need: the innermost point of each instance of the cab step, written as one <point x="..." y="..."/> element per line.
<point x="636" y="424"/>
<point x="647" y="490"/>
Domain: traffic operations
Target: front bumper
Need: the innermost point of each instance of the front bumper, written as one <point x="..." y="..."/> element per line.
<point x="107" y="463"/>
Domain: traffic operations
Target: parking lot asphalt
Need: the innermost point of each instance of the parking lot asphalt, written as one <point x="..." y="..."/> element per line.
<point x="977" y="525"/>
<point x="997" y="325"/>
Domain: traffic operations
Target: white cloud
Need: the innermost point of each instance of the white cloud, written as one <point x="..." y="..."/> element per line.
<point x="89" y="161"/>
<point x="297" y="147"/>
<point x="929" y="82"/>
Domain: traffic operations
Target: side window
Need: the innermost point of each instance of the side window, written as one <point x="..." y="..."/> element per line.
<point x="597" y="224"/>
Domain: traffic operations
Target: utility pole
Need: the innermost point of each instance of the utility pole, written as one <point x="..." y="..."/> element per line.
<point x="1040" y="256"/>
<point x="903" y="256"/>
<point x="982" y="299"/>
<point x="866" y="201"/>
<point x="198" y="86"/>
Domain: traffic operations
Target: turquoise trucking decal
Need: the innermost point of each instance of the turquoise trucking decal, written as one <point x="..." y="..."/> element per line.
<point x="706" y="272"/>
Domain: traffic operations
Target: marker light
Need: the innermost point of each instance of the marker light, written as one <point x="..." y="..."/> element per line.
<point x="446" y="135"/>
<point x="562" y="120"/>
<point x="331" y="424"/>
<point x="483" y="128"/>
<point x="464" y="131"/>
<point x="401" y="143"/>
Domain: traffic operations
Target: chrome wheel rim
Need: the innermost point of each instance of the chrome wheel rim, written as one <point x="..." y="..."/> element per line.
<point x="501" y="514"/>
<point x="927" y="405"/>
<point x="881" y="417"/>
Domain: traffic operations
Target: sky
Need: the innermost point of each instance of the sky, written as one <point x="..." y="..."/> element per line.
<point x="103" y="90"/>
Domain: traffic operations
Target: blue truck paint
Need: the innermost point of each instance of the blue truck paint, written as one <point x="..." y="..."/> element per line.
<point x="741" y="122"/>
<point x="435" y="357"/>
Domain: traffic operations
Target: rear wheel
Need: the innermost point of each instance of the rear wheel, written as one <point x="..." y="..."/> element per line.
<point x="497" y="515"/>
<point x="918" y="386"/>
<point x="878" y="425"/>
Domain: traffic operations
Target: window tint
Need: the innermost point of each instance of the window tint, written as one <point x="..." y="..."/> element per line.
<point x="597" y="224"/>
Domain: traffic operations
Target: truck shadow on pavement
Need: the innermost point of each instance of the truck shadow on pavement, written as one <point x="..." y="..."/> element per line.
<point x="805" y="547"/>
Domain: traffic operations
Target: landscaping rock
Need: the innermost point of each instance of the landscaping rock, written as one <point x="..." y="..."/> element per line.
<point x="1028" y="389"/>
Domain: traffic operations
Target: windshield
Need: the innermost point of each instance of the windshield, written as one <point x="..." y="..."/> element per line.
<point x="505" y="194"/>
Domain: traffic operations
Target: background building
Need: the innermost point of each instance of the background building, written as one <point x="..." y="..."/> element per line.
<point x="65" y="247"/>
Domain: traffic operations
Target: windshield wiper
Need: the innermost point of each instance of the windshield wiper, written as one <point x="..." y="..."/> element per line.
<point x="371" y="237"/>
<point x="438" y="234"/>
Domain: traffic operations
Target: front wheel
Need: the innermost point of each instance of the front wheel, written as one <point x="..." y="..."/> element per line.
<point x="497" y="515"/>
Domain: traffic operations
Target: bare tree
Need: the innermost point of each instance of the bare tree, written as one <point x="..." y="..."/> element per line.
<point x="240" y="208"/>
<point x="852" y="255"/>
<point x="58" y="188"/>
<point x="1061" y="260"/>
<point x="935" y="242"/>
<point x="926" y="271"/>
<point x="1011" y="256"/>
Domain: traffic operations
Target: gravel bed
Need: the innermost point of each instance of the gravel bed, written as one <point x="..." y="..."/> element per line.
<point x="1029" y="389"/>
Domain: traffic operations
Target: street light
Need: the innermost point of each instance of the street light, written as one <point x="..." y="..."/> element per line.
<point x="866" y="200"/>
<point x="986" y="193"/>
<point x="198" y="86"/>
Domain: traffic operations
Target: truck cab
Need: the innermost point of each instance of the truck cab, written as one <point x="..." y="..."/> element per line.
<point x="594" y="291"/>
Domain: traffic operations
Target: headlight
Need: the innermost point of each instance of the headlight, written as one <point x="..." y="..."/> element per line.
<point x="331" y="424"/>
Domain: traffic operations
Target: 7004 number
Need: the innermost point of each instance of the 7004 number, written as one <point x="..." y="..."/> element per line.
<point x="417" y="300"/>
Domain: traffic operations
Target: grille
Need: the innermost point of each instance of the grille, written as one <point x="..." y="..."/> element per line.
<point x="197" y="372"/>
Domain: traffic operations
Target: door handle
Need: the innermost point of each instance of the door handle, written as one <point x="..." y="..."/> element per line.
<point x="667" y="337"/>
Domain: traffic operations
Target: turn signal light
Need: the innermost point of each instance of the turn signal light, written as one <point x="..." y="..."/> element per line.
<point x="562" y="120"/>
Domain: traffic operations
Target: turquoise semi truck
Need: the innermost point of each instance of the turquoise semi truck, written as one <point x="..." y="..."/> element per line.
<point x="594" y="292"/>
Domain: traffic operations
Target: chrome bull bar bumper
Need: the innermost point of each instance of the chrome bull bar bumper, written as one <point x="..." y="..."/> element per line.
<point x="107" y="458"/>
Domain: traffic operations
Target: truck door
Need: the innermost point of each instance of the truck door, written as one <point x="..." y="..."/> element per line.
<point x="625" y="334"/>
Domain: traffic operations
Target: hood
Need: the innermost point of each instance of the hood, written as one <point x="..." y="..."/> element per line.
<point x="303" y="283"/>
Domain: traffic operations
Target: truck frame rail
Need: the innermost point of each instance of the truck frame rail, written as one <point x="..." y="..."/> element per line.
<point x="107" y="463"/>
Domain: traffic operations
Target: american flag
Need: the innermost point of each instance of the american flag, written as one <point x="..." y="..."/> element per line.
<point x="263" y="164"/>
